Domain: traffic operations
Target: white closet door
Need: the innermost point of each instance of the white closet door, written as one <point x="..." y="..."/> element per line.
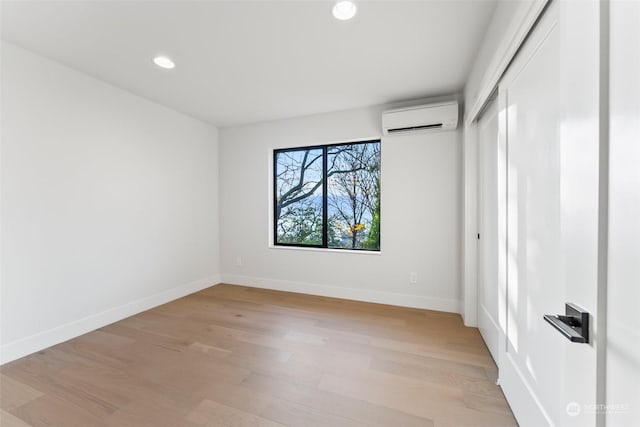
<point x="488" y="227"/>
<point x="551" y="247"/>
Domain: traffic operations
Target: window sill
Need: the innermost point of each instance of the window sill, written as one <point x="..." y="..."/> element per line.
<point x="325" y="250"/>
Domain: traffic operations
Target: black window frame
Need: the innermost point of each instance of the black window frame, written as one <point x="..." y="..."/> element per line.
<point x="325" y="148"/>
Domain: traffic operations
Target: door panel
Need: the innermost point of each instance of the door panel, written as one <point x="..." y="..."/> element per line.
<point x="551" y="203"/>
<point x="529" y="97"/>
<point x="488" y="227"/>
<point x="583" y="257"/>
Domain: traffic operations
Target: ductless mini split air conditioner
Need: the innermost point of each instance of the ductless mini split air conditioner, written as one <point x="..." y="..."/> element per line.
<point x="422" y="118"/>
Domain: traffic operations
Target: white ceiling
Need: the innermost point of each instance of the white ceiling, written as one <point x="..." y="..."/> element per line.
<point x="249" y="61"/>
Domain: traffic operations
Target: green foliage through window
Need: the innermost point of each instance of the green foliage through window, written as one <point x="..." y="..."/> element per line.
<point x="328" y="196"/>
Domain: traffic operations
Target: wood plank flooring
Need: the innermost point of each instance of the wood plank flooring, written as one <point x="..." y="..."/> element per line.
<point x="234" y="356"/>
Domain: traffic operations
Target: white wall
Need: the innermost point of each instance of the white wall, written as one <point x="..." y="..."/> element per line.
<point x="489" y="53"/>
<point x="420" y="212"/>
<point x="623" y="322"/>
<point x="509" y="26"/>
<point x="109" y="203"/>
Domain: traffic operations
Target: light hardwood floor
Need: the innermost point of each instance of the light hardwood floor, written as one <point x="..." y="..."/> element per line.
<point x="239" y="356"/>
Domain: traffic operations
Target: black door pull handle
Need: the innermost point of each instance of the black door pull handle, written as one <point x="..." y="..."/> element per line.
<point x="574" y="325"/>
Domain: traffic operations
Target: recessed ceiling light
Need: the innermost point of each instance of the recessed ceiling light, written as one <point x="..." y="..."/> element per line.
<point x="344" y="10"/>
<point x="164" y="62"/>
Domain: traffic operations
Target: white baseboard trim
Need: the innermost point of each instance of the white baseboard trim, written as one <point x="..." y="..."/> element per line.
<point x="41" y="340"/>
<point x="490" y="332"/>
<point x="365" y="295"/>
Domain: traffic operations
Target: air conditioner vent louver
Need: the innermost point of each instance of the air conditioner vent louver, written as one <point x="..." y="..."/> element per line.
<point x="415" y="128"/>
<point x="439" y="116"/>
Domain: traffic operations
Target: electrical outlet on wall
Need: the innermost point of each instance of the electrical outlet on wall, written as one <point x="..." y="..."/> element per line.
<point x="413" y="277"/>
<point x="238" y="262"/>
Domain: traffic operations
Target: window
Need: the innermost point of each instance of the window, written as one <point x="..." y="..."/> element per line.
<point x="328" y="196"/>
